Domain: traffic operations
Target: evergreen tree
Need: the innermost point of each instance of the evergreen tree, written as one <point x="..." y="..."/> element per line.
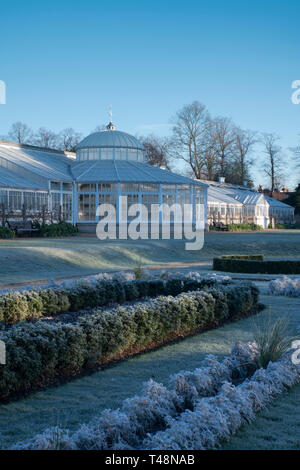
<point x="294" y="200"/>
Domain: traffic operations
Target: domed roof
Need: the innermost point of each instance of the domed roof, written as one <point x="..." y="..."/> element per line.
<point x="110" y="138"/>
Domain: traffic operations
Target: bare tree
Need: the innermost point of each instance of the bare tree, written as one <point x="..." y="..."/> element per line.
<point x="272" y="166"/>
<point x="156" y="150"/>
<point x="99" y="128"/>
<point x="20" y="132"/>
<point x="210" y="153"/>
<point x="223" y="141"/>
<point x="296" y="152"/>
<point x="46" y="138"/>
<point x="190" y="134"/>
<point x="68" y="139"/>
<point x="243" y="144"/>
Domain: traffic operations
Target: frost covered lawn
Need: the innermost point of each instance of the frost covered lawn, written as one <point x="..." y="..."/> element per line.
<point x="77" y="402"/>
<point x="24" y="260"/>
<point x="277" y="427"/>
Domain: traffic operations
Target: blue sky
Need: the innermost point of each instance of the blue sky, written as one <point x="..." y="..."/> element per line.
<point x="65" y="62"/>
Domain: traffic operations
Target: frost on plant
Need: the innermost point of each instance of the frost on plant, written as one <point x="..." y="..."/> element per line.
<point x="215" y="419"/>
<point x="285" y="286"/>
<point x="154" y="409"/>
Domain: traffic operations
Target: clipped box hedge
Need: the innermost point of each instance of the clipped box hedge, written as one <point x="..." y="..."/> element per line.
<point x="256" y="267"/>
<point x="251" y="257"/>
<point x="244" y="227"/>
<point x="33" y="304"/>
<point x="38" y="354"/>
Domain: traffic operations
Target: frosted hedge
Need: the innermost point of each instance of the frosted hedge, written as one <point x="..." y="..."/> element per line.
<point x="143" y="415"/>
<point x="197" y="410"/>
<point x="99" y="291"/>
<point x="40" y="353"/>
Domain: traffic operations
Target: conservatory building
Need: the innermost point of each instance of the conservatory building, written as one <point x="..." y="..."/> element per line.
<point x="108" y="164"/>
<point x="233" y="204"/>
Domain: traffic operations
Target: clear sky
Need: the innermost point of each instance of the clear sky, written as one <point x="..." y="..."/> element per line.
<point x="64" y="62"/>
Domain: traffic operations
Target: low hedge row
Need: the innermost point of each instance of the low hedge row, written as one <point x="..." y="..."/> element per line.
<point x="252" y="257"/>
<point x="62" y="229"/>
<point x="256" y="267"/>
<point x="37" y="354"/>
<point x="244" y="227"/>
<point x="32" y="304"/>
<point x="6" y="232"/>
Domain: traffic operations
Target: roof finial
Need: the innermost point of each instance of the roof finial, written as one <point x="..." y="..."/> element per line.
<point x="110" y="126"/>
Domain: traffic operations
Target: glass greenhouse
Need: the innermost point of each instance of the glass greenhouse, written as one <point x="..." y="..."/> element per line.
<point x="109" y="169"/>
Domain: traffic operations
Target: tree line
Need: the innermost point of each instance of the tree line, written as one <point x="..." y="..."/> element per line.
<point x="213" y="147"/>
<point x="209" y="147"/>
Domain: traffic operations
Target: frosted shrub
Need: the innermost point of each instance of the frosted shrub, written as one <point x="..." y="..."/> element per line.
<point x="207" y="379"/>
<point x="93" y="291"/>
<point x="285" y="286"/>
<point x="42" y="352"/>
<point x="158" y="407"/>
<point x="159" y="418"/>
<point x="151" y="409"/>
<point x="111" y="430"/>
<point x="215" y="419"/>
<point x="54" y="438"/>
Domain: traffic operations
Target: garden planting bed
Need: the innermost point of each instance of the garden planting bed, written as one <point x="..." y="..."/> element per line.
<point x="95" y="291"/>
<point x="43" y="353"/>
<point x="196" y="410"/>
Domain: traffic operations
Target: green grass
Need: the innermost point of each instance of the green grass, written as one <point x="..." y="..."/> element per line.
<point x="78" y="401"/>
<point x="24" y="260"/>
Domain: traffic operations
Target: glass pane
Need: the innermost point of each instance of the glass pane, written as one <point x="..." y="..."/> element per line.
<point x="84" y="187"/>
<point x="147" y="187"/>
<point x="107" y="187"/>
<point x="93" y="154"/>
<point x="67" y="186"/>
<point x="132" y="154"/>
<point x="67" y="206"/>
<point x="55" y="185"/>
<point x="107" y="153"/>
<point x="168" y="188"/>
<point x="129" y="187"/>
<point x="120" y="154"/>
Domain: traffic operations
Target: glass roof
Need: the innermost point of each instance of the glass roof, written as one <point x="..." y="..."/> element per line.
<point x="110" y="138"/>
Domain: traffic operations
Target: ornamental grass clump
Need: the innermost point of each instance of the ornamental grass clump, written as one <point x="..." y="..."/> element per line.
<point x="272" y="339"/>
<point x="138" y="270"/>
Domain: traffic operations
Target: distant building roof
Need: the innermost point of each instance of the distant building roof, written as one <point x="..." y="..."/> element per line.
<point x="276" y="203"/>
<point x="242" y="194"/>
<point x="215" y="194"/>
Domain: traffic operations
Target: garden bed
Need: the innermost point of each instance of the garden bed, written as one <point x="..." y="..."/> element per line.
<point x="31" y="304"/>
<point x="197" y="410"/>
<point x="41" y="354"/>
